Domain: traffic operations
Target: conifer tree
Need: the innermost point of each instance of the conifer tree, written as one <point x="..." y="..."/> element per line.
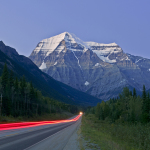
<point x="126" y="92"/>
<point x="22" y="86"/>
<point x="5" y="76"/>
<point x="23" y="91"/>
<point x="144" y="93"/>
<point x="10" y="85"/>
<point x="145" y="106"/>
<point x="134" y="93"/>
<point x="98" y="111"/>
<point x="16" y="92"/>
<point x="148" y="107"/>
<point x="11" y="79"/>
<point x="21" y="98"/>
<point x="130" y="93"/>
<point x="144" y="99"/>
<point x="16" y="84"/>
<point x="31" y="92"/>
<point x="6" y="94"/>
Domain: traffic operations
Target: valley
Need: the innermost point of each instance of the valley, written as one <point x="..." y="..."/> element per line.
<point x="74" y="75"/>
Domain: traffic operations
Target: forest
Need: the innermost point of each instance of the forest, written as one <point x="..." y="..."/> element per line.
<point x="120" y="123"/>
<point x="128" y="107"/>
<point x="19" y="98"/>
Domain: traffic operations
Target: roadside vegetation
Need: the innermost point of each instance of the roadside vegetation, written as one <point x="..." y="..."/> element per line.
<point x="119" y="124"/>
<point x="20" y="101"/>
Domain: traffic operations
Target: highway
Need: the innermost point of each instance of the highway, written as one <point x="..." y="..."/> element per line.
<point x="53" y="136"/>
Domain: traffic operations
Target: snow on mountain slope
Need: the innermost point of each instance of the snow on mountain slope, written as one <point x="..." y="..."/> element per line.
<point x="43" y="66"/>
<point x="104" y="51"/>
<point x="86" y="83"/>
<point x="47" y="46"/>
<point x="100" y="44"/>
<point x="69" y="37"/>
<point x="57" y="44"/>
<point x="109" y="53"/>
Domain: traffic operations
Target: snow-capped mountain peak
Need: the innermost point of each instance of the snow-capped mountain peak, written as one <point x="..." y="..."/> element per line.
<point x="47" y="46"/>
<point x="74" y="39"/>
<point x="89" y="66"/>
<point x="67" y="41"/>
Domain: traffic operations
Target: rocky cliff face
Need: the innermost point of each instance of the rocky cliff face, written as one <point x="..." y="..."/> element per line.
<point x="101" y="70"/>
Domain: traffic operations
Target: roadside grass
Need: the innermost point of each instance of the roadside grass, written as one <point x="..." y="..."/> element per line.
<point x="116" y="136"/>
<point x="53" y="116"/>
<point x="80" y="139"/>
<point x="85" y="145"/>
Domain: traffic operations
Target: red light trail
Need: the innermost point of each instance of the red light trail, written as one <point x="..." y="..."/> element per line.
<point x="10" y="126"/>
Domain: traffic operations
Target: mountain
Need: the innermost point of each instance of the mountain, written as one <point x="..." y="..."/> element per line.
<point x="22" y="65"/>
<point x="101" y="70"/>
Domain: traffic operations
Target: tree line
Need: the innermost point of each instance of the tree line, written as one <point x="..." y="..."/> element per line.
<point x="19" y="98"/>
<point x="128" y="107"/>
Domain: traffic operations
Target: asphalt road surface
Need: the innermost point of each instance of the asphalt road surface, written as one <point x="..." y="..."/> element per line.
<point x="45" y="137"/>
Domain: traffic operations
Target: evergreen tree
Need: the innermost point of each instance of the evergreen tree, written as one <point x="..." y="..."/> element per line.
<point x="32" y="94"/>
<point x="21" y="98"/>
<point x="144" y="93"/>
<point x="11" y="79"/>
<point x="126" y="92"/>
<point x="10" y="85"/>
<point x="97" y="111"/>
<point x="16" y="93"/>
<point x="16" y="85"/>
<point x="5" y="76"/>
<point x="22" y="85"/>
<point x="134" y="93"/>
<point x="6" y="91"/>
<point x="148" y="107"/>
<point x="145" y="106"/>
<point x="144" y="99"/>
<point x="130" y="93"/>
<point x="0" y="85"/>
<point x="148" y="98"/>
<point x="106" y="110"/>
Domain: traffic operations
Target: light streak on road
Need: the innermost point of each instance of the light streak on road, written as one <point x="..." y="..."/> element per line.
<point x="10" y="126"/>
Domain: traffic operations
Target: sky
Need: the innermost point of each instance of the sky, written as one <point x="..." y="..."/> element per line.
<point x="24" y="23"/>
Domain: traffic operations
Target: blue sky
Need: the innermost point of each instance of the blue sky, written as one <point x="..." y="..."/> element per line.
<point x="23" y="23"/>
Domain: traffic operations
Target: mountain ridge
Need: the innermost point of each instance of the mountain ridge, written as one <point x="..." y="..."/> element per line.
<point x="94" y="68"/>
<point x="22" y="65"/>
